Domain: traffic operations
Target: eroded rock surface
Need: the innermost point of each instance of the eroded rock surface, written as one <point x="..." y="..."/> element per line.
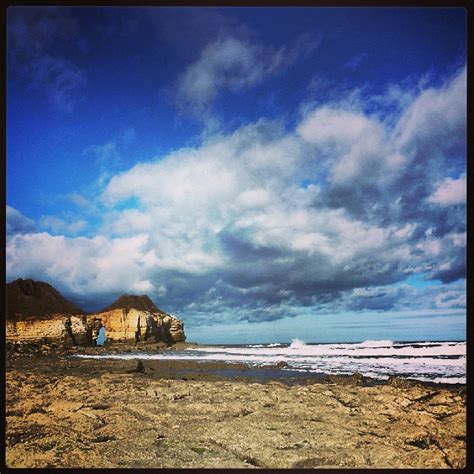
<point x="64" y="412"/>
<point x="51" y="330"/>
<point x="133" y="318"/>
<point x="36" y="312"/>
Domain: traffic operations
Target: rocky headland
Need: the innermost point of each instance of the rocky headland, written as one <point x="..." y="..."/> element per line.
<point x="36" y="313"/>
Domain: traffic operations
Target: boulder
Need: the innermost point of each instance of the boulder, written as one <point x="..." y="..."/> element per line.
<point x="400" y="382"/>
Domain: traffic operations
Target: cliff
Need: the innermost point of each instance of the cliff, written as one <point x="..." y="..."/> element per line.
<point x="36" y="312"/>
<point x="133" y="317"/>
<point x="29" y="299"/>
<point x="48" y="331"/>
<point x="141" y="303"/>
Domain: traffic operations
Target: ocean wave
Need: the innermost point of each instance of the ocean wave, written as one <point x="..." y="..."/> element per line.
<point x="445" y="361"/>
<point x="299" y="349"/>
<point x="382" y="343"/>
<point x="272" y="344"/>
<point x="297" y="344"/>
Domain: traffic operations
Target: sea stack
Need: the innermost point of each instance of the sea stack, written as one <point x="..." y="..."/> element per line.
<point x="134" y="318"/>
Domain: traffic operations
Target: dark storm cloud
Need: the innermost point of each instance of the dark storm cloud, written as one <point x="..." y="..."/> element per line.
<point x="456" y="269"/>
<point x="382" y="299"/>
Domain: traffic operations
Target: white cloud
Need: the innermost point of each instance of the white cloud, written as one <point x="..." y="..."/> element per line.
<point x="244" y="184"/>
<point x="82" y="265"/>
<point x="436" y="117"/>
<point x="127" y="222"/>
<point x="103" y="152"/>
<point x="78" y="200"/>
<point x="250" y="214"/>
<point x="65" y="81"/>
<point x="450" y="192"/>
<point x="332" y="126"/>
<point x="405" y="231"/>
<point x="233" y="64"/>
<point x="450" y="299"/>
<point x="17" y="223"/>
<point x="458" y="239"/>
<point x="357" y="145"/>
<point x="431" y="247"/>
<point x="60" y="226"/>
<point x="254" y="198"/>
<point x="228" y="63"/>
<point x="361" y="150"/>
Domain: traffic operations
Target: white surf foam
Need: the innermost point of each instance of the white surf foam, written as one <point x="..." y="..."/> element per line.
<point x="382" y="343"/>
<point x="443" y="362"/>
<point x="298" y="345"/>
<point x="369" y="348"/>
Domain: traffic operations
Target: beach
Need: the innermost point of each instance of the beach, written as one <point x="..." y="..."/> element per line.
<point x="64" y="411"/>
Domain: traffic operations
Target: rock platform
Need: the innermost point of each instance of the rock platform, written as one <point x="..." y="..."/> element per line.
<point x="64" y="411"/>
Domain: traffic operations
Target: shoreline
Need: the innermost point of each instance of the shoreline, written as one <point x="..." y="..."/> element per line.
<point x="213" y="370"/>
<point x="64" y="411"/>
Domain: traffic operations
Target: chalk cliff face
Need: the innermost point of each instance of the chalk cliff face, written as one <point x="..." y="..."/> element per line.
<point x="132" y="318"/>
<point x="36" y="312"/>
<point x="47" y="330"/>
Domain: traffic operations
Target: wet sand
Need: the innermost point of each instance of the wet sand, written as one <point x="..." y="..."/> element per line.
<point x="64" y="411"/>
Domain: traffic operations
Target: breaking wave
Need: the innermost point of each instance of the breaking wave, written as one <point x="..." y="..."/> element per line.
<point x="297" y="344"/>
<point x="438" y="362"/>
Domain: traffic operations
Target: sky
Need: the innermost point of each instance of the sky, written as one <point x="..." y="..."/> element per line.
<point x="261" y="173"/>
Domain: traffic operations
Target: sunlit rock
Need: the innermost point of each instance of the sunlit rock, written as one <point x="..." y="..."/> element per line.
<point x="36" y="312"/>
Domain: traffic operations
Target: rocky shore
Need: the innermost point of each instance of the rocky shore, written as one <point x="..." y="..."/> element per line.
<point x="38" y="313"/>
<point x="64" y="411"/>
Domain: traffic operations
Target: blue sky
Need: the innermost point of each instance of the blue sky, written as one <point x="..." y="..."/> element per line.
<point x="256" y="168"/>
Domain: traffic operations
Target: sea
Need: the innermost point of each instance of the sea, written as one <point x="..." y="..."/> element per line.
<point x="435" y="362"/>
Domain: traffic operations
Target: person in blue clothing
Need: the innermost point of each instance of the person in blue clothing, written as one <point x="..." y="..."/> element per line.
<point x="100" y="341"/>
